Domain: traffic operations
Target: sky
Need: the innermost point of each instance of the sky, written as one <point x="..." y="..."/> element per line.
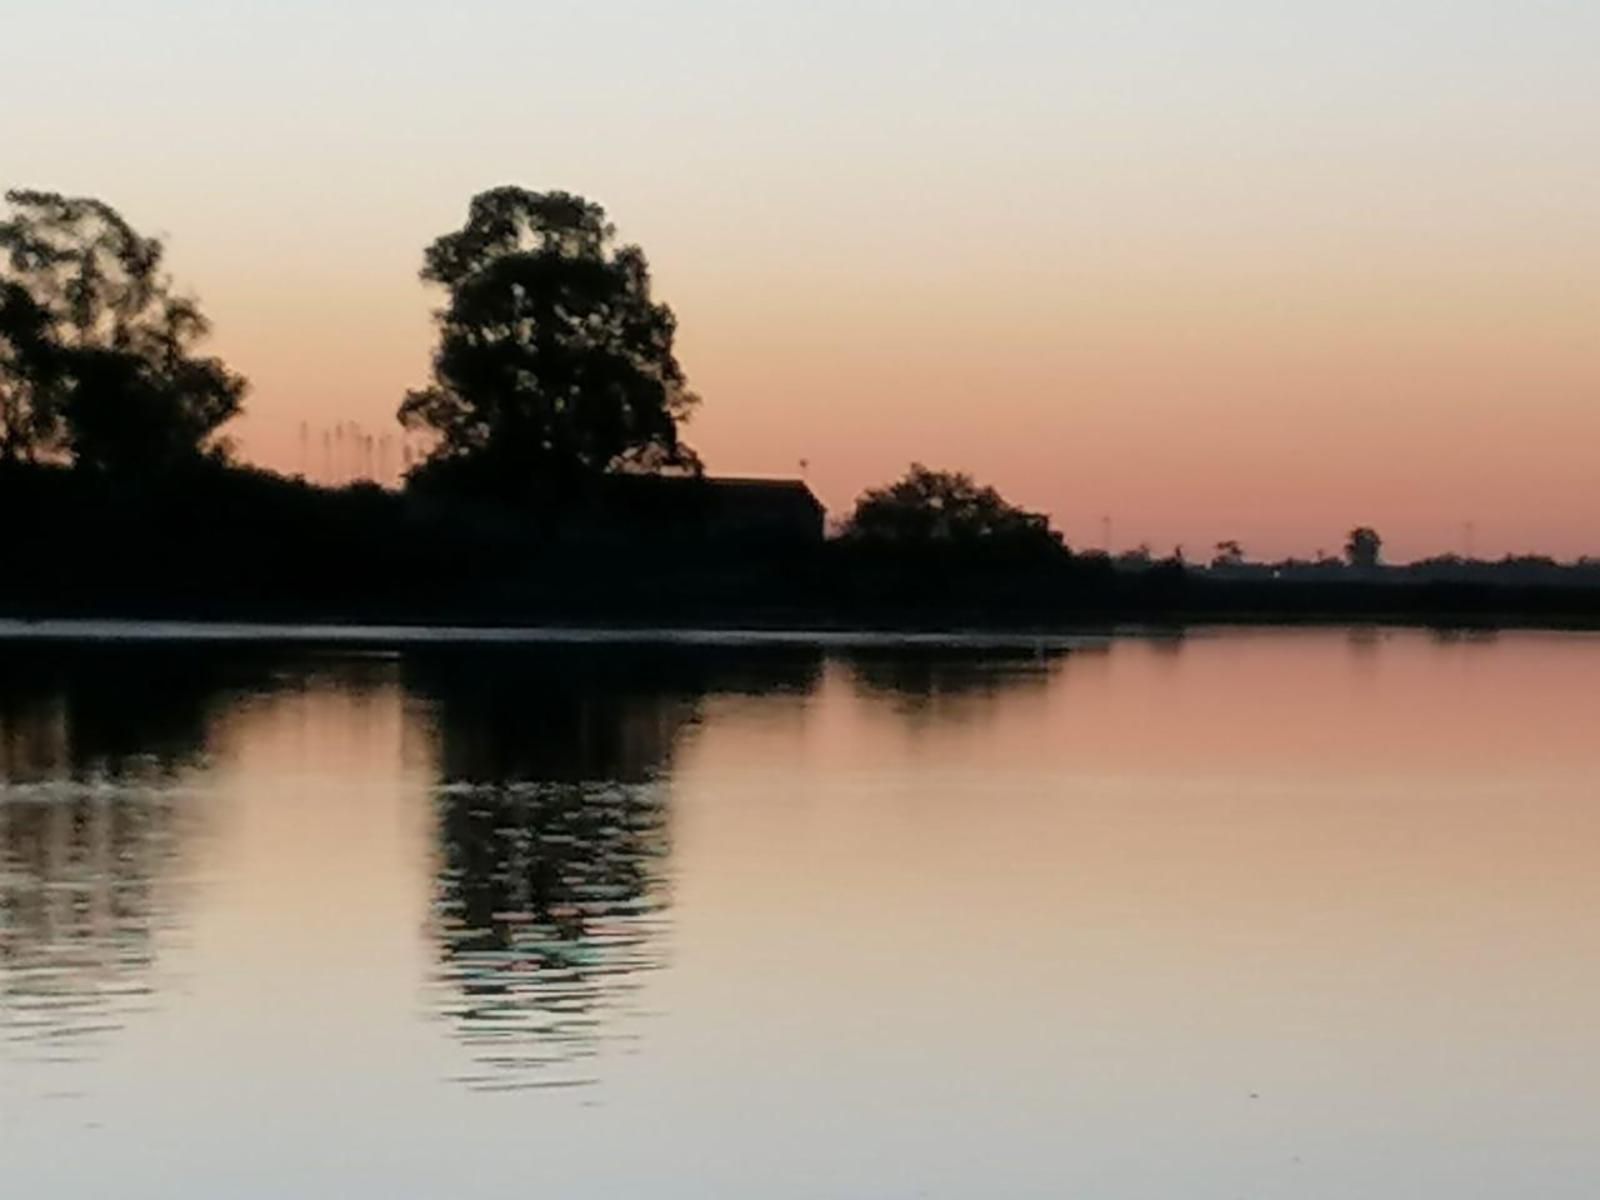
<point x="1211" y="268"/>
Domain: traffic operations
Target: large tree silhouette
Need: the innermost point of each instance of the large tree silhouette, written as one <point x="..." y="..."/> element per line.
<point x="554" y="364"/>
<point x="29" y="421"/>
<point x="97" y="359"/>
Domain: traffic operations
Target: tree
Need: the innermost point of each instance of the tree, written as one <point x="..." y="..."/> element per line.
<point x="1229" y="554"/>
<point x="96" y="352"/>
<point x="554" y="364"/>
<point x="1363" y="547"/>
<point x="28" y="420"/>
<point x="928" y="508"/>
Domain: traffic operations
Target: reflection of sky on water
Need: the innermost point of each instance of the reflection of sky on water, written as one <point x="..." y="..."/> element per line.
<point x="87" y="882"/>
<point x="1305" y="911"/>
<point x="548" y="821"/>
<point x="98" y="810"/>
<point x="552" y="888"/>
<point x="550" y="898"/>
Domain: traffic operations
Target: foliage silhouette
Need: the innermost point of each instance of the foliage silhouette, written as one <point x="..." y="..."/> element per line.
<point x="97" y="361"/>
<point x="1229" y="554"/>
<point x="554" y="364"/>
<point x="554" y="380"/>
<point x="1363" y="548"/>
<point x="930" y="509"/>
<point x="29" y="421"/>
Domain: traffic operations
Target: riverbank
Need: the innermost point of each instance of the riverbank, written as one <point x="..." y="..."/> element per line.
<point x="229" y="546"/>
<point x="362" y="635"/>
<point x="357" y="635"/>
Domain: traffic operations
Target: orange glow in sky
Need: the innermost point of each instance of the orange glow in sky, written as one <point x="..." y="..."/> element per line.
<point x="1225" y="269"/>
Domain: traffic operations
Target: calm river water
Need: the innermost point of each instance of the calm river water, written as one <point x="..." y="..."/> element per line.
<point x="1256" y="914"/>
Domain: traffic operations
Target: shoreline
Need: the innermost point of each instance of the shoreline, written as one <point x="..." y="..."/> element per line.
<point x="355" y="634"/>
<point x="367" y="634"/>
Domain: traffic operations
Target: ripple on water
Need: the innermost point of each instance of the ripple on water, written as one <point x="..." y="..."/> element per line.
<point x="550" y="905"/>
<point x="88" y="880"/>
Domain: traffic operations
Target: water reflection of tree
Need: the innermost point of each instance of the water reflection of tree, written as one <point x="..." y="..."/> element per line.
<point x="84" y="715"/>
<point x="94" y="815"/>
<point x="949" y="681"/>
<point x="83" y="875"/>
<point x="552" y="892"/>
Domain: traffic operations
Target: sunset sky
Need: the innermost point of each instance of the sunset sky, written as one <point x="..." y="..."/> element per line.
<point x="1216" y="268"/>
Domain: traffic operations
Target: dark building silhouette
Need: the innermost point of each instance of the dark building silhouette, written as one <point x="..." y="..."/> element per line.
<point x="703" y="509"/>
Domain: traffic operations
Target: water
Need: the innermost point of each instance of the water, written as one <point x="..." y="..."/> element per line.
<point x="1308" y="913"/>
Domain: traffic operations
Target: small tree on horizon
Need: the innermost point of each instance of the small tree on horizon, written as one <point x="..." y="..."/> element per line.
<point x="1363" y="548"/>
<point x="927" y="508"/>
<point x="1229" y="553"/>
<point x="554" y="363"/>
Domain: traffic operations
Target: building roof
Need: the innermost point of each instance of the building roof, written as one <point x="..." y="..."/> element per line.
<point x="721" y="486"/>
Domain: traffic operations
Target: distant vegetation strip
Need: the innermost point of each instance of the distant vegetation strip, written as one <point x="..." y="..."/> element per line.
<point x="547" y="480"/>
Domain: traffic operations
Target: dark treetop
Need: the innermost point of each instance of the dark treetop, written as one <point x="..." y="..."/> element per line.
<point x="554" y="364"/>
<point x="96" y="351"/>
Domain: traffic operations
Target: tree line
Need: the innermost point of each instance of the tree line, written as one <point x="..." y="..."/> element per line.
<point x="554" y="367"/>
<point x="553" y="361"/>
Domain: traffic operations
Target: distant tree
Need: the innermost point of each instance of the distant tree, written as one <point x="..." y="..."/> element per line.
<point x="96" y="352"/>
<point x="554" y="364"/>
<point x="1140" y="557"/>
<point x="1229" y="554"/>
<point x="928" y="508"/>
<point x="1363" y="548"/>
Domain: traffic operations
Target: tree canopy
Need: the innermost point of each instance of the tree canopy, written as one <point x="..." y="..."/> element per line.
<point x="28" y="417"/>
<point x="1230" y="553"/>
<point x="946" y="509"/>
<point x="96" y="351"/>
<point x="1363" y="548"/>
<point x="554" y="363"/>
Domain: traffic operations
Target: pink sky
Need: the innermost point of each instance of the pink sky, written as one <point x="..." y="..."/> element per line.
<point x="1219" y="270"/>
